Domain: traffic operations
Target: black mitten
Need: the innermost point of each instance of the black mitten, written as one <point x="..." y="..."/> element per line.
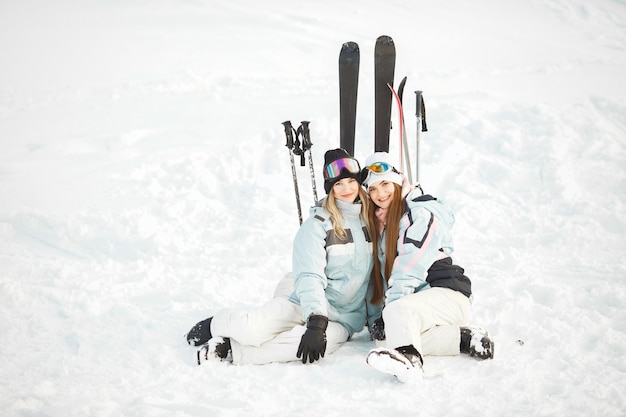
<point x="378" y="330"/>
<point x="313" y="342"/>
<point x="200" y="333"/>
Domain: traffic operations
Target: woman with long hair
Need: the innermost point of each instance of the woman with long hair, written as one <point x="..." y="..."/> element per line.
<point x="332" y="263"/>
<point x="418" y="301"/>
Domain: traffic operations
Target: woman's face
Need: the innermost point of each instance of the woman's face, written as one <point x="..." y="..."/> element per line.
<point x="381" y="193"/>
<point x="346" y="189"/>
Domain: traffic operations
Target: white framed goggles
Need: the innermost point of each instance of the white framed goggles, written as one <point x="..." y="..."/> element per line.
<point x="381" y="167"/>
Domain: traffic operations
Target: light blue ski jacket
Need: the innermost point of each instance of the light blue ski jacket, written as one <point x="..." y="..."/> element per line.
<point x="424" y="238"/>
<point x="424" y="247"/>
<point x="331" y="275"/>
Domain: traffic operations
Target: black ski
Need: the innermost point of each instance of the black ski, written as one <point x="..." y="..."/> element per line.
<point x="384" y="67"/>
<point x="349" y="58"/>
<point x="401" y="89"/>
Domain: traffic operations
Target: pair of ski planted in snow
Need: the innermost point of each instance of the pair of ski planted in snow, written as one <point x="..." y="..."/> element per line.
<point x="384" y="94"/>
<point x="384" y="67"/>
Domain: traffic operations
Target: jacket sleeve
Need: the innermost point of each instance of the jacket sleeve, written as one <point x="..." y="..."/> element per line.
<point x="309" y="263"/>
<point x="422" y="234"/>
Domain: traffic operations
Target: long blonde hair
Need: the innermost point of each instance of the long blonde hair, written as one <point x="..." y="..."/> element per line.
<point x="392" y="227"/>
<point x="336" y="218"/>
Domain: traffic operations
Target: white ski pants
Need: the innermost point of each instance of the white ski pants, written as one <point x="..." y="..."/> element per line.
<point x="270" y="333"/>
<point x="430" y="320"/>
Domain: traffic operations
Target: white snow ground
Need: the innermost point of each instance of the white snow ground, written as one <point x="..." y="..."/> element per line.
<point x="145" y="184"/>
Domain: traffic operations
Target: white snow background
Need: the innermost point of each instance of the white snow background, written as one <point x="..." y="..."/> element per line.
<point x="145" y="184"/>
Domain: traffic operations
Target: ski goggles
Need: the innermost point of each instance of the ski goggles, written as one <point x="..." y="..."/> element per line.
<point x="381" y="167"/>
<point x="333" y="170"/>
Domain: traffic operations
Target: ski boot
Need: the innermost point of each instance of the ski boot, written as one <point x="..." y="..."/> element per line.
<point x="476" y="343"/>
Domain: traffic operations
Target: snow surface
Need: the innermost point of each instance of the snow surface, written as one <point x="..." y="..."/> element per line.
<point x="145" y="185"/>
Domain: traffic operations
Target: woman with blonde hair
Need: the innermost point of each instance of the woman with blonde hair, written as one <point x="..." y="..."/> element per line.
<point x="332" y="262"/>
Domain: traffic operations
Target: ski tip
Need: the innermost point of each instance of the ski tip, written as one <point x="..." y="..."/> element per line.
<point x="401" y="87"/>
<point x="384" y="39"/>
<point x="350" y="46"/>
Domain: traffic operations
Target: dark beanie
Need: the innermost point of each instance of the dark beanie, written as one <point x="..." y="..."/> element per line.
<point x="331" y="156"/>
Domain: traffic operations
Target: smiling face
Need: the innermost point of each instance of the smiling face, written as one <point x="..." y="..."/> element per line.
<point x="382" y="193"/>
<point x="346" y="189"/>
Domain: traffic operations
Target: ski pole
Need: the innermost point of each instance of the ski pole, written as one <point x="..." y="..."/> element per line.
<point x="420" y="114"/>
<point x="290" y="146"/>
<point x="306" y="146"/>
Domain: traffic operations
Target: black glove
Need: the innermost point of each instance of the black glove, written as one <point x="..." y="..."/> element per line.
<point x="313" y="342"/>
<point x="378" y="330"/>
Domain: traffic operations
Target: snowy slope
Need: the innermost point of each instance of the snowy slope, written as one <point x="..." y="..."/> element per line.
<point x="145" y="184"/>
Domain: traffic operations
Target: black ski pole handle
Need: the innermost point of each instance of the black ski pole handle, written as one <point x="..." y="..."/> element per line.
<point x="306" y="135"/>
<point x="420" y="109"/>
<point x="288" y="134"/>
